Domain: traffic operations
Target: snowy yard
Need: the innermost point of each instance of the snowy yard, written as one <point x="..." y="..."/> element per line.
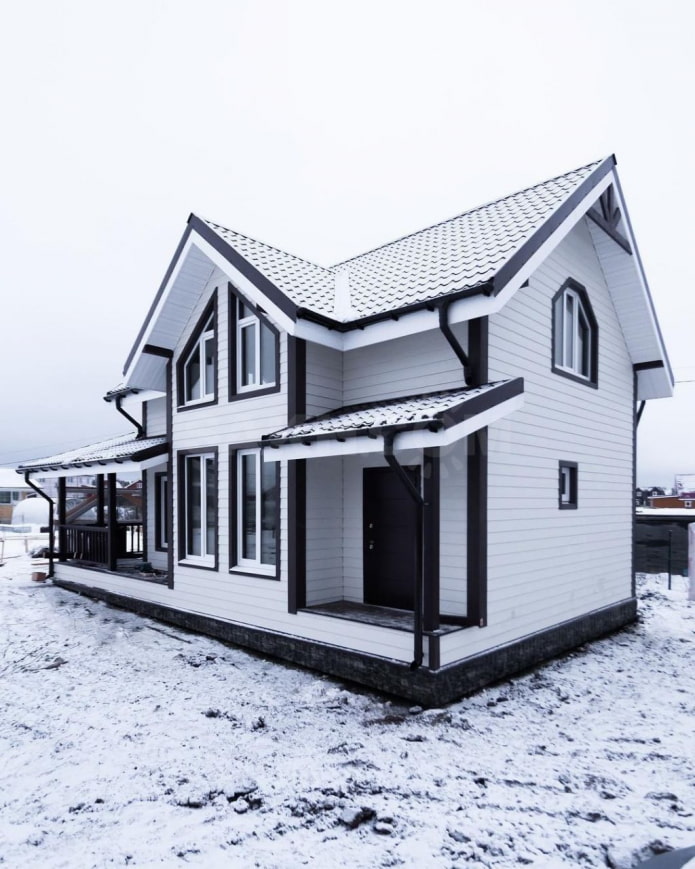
<point x="127" y="742"/>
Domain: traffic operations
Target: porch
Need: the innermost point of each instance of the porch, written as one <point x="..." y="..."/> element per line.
<point x="100" y="503"/>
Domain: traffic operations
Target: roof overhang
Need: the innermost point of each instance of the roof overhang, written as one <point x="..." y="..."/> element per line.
<point x="482" y="407"/>
<point x="127" y="454"/>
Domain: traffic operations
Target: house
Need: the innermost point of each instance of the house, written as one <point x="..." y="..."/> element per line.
<point x="12" y="491"/>
<point x="392" y="470"/>
<point x="685" y="501"/>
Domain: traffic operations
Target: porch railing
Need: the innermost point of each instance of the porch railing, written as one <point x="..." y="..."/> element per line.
<point x="91" y="543"/>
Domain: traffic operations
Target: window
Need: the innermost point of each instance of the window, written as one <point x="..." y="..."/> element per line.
<point x="198" y="513"/>
<point x="568" y="486"/>
<point x="256" y="512"/>
<point x="197" y="368"/>
<point x="5" y="497"/>
<point x="575" y="334"/>
<point x="161" y="511"/>
<point x="255" y="356"/>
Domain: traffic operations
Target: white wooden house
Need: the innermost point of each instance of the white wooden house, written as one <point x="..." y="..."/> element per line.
<point x="393" y="470"/>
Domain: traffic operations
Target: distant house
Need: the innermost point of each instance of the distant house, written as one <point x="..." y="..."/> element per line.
<point x="392" y="470"/>
<point x="642" y="496"/>
<point x="686" y="501"/>
<point x="13" y="489"/>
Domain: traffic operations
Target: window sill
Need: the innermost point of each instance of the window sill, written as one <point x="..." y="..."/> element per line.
<point x="257" y="572"/>
<point x="191" y="405"/>
<point x="199" y="563"/>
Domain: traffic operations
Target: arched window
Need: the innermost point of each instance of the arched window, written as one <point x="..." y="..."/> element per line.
<point x="575" y="334"/>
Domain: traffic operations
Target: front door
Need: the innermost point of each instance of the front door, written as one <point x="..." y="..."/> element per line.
<point x="390" y="538"/>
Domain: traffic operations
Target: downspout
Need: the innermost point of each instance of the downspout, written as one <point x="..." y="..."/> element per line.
<point x="50" y="520"/>
<point x="445" y="328"/>
<point x="138" y="425"/>
<point x="414" y="493"/>
<point x="640" y="411"/>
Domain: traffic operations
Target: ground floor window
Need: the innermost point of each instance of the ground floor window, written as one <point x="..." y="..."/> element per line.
<point x="161" y="510"/>
<point x="568" y="485"/>
<point x="256" y="513"/>
<point x="199" y="507"/>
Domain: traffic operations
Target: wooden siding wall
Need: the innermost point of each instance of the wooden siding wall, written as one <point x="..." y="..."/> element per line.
<point x="547" y="565"/>
<point x="324" y="379"/>
<point x="453" y="529"/>
<point x="156" y="417"/>
<point x="245" y="599"/>
<point x="324" y="530"/>
<point x="407" y="366"/>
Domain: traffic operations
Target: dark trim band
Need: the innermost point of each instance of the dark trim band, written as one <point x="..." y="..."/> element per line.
<point x="425" y="686"/>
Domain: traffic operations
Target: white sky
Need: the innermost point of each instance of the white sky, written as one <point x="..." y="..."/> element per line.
<point x="324" y="128"/>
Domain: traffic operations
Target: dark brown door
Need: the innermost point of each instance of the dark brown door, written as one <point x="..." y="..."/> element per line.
<point x="390" y="538"/>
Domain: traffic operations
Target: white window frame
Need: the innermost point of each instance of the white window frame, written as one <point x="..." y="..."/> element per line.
<point x="207" y="381"/>
<point x="244" y="563"/>
<point x="572" y="355"/>
<point x="205" y="557"/>
<point x="252" y="324"/>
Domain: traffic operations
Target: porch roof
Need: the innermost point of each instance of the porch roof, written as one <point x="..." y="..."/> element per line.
<point x="125" y="452"/>
<point x="432" y="419"/>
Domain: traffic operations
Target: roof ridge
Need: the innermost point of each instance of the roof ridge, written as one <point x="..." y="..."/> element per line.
<point x="594" y="164"/>
<point x="302" y="259"/>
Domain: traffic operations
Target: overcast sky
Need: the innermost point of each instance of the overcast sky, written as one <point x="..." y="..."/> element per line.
<point x="324" y="128"/>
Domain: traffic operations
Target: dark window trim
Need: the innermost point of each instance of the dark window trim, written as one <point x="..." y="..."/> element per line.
<point x="573" y="502"/>
<point x="170" y="467"/>
<point x="181" y="487"/>
<point x="158" y="545"/>
<point x="234" y="296"/>
<point x="592" y="380"/>
<point x="210" y="309"/>
<point x="234" y="568"/>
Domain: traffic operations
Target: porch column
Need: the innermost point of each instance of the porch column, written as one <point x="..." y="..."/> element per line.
<point x="100" y="500"/>
<point x="62" y="518"/>
<point x="111" y="498"/>
<point x="296" y="534"/>
<point x="430" y="539"/>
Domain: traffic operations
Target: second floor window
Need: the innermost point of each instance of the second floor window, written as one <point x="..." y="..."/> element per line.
<point x="197" y="366"/>
<point x="256" y="345"/>
<point x="575" y="334"/>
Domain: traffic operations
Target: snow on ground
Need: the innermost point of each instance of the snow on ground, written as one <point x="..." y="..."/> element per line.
<point x="128" y="742"/>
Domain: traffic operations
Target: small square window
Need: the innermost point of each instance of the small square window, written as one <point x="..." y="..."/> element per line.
<point x="567" y="495"/>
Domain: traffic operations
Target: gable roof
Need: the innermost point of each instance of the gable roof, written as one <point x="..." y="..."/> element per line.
<point x="474" y="262"/>
<point x="461" y="254"/>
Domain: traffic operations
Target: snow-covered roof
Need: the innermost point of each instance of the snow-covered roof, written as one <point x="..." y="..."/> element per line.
<point x="433" y="411"/>
<point x="458" y="254"/>
<point x="116" y="450"/>
<point x="9" y="479"/>
<point x="477" y="260"/>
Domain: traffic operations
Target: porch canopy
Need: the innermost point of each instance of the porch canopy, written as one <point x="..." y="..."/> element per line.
<point x="436" y="419"/>
<point x="123" y="454"/>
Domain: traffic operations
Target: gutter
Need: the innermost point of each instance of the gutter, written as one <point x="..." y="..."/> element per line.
<point x="50" y="520"/>
<point x="118" y="399"/>
<point x="483" y="289"/>
<point x="414" y="493"/>
<point x="445" y="328"/>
